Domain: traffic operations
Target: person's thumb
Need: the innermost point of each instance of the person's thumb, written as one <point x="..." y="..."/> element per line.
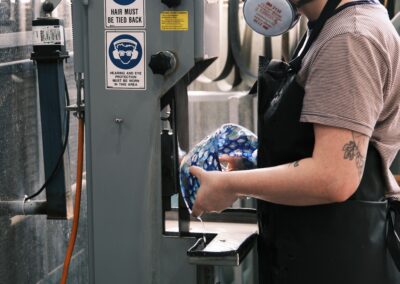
<point x="196" y="171"/>
<point x="224" y="158"/>
<point x="228" y="159"/>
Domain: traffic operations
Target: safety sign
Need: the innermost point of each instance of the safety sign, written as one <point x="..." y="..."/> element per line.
<point x="174" y="21"/>
<point x="125" y="60"/>
<point x="124" y="13"/>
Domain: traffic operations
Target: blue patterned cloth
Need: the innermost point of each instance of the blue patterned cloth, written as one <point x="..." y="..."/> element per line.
<point x="230" y="139"/>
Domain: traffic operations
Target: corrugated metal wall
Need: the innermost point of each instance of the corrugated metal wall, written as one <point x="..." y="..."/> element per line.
<point x="32" y="249"/>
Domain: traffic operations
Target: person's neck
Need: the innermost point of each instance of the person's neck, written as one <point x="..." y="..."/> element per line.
<point x="313" y="9"/>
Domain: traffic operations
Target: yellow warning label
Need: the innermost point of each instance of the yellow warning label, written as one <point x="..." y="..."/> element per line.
<point x="174" y="21"/>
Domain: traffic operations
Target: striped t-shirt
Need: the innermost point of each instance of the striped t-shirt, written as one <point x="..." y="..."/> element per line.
<point x="351" y="77"/>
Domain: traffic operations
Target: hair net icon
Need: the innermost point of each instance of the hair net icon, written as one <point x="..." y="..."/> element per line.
<point x="125" y="50"/>
<point x="231" y="139"/>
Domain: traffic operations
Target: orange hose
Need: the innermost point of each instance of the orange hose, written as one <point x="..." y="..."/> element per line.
<point x="77" y="206"/>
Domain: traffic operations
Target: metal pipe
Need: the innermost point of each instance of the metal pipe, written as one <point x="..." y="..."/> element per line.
<point x="30" y="207"/>
<point x="12" y="208"/>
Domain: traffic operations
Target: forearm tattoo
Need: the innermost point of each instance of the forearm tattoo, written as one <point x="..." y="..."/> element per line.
<point x="295" y="164"/>
<point x="352" y="151"/>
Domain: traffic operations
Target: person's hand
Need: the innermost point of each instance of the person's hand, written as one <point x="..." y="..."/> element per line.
<point x="231" y="163"/>
<point x="213" y="194"/>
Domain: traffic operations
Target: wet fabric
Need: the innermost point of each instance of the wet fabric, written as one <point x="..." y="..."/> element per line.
<point x="230" y="139"/>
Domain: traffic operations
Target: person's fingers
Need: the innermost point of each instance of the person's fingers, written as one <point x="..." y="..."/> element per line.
<point x="196" y="171"/>
<point x="229" y="159"/>
<point x="230" y="163"/>
<point x="224" y="158"/>
<point x="197" y="210"/>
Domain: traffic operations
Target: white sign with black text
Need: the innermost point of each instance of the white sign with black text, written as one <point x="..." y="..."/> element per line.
<point x="125" y="60"/>
<point x="124" y="13"/>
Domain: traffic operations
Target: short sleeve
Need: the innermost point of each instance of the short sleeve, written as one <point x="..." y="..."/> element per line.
<point x="345" y="83"/>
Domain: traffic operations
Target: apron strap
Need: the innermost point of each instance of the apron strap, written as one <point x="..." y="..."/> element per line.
<point x="393" y="234"/>
<point x="327" y="12"/>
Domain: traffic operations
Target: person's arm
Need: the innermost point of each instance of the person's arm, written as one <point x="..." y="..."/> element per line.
<point x="332" y="174"/>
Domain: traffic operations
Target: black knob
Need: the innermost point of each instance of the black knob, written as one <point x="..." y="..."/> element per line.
<point x="171" y="3"/>
<point x="47" y="7"/>
<point x="162" y="63"/>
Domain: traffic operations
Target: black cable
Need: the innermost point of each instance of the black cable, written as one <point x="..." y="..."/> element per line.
<point x="64" y="147"/>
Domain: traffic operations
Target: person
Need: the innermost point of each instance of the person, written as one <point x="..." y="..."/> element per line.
<point x="327" y="137"/>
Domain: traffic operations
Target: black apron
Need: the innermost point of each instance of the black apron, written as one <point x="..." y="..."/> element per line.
<point x="326" y="244"/>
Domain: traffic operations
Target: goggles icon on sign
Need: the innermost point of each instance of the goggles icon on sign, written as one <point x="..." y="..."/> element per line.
<point x="125" y="50"/>
<point x="122" y="53"/>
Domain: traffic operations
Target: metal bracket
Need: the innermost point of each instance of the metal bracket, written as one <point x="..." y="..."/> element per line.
<point x="78" y="110"/>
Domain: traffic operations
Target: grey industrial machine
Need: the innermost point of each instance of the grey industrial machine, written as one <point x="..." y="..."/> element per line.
<point x="137" y="58"/>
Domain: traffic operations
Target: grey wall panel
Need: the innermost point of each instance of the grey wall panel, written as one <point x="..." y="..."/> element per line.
<point x="175" y="267"/>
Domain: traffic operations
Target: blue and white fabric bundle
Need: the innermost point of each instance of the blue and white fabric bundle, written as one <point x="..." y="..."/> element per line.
<point x="230" y="139"/>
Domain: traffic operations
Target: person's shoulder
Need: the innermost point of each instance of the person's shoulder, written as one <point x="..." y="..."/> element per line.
<point x="365" y="20"/>
<point x="365" y="27"/>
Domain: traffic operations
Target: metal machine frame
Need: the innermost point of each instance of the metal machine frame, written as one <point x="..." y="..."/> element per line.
<point x="128" y="175"/>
